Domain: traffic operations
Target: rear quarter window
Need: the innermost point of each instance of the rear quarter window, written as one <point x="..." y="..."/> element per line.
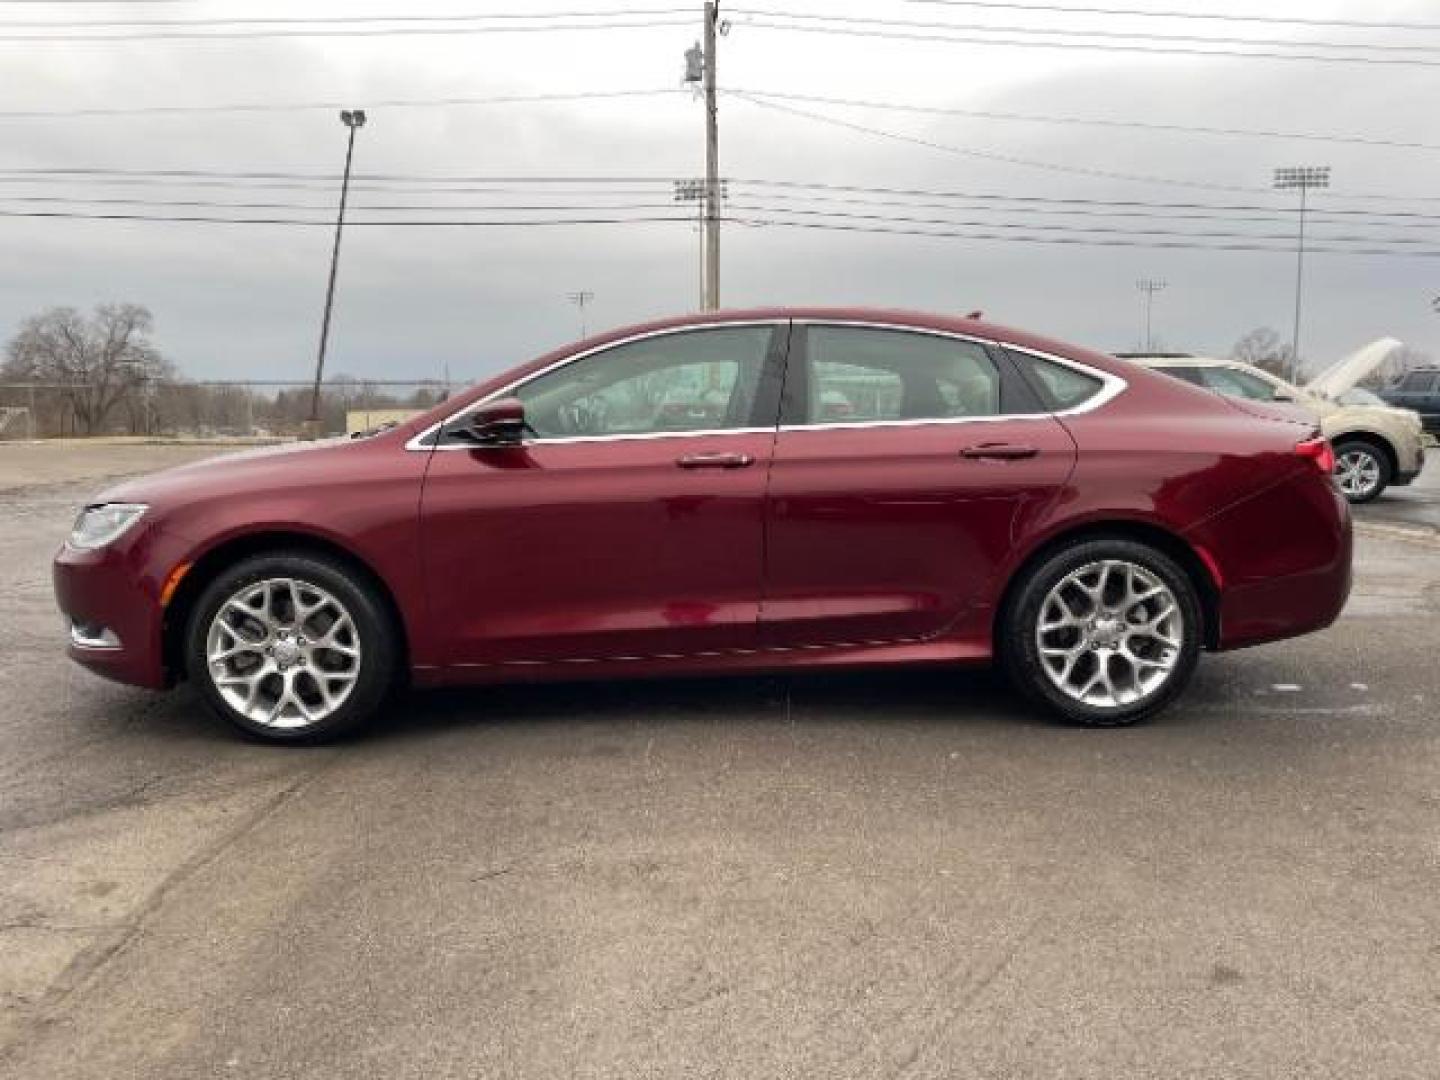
<point x="1060" y="387"/>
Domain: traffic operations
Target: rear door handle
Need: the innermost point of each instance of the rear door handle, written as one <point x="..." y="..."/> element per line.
<point x="998" y="452"/>
<point x="715" y="461"/>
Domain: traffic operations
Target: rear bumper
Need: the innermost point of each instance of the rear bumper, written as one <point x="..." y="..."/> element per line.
<point x="1285" y="559"/>
<point x="114" y="595"/>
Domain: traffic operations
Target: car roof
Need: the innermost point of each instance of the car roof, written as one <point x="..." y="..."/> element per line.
<point x="1182" y="360"/>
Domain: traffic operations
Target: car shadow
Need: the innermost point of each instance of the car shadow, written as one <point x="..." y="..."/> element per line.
<point x="927" y="697"/>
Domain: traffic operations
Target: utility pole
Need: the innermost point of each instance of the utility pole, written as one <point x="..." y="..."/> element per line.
<point x="693" y="190"/>
<point x="1301" y="178"/>
<point x="1149" y="286"/>
<point x="354" y="120"/>
<point x="712" y="162"/>
<point x="580" y="299"/>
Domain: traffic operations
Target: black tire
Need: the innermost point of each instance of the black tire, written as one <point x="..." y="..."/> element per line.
<point x="374" y="635"/>
<point x="1361" y="448"/>
<point x="1019" y="649"/>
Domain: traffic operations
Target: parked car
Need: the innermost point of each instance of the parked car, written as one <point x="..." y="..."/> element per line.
<point x="1376" y="445"/>
<point x="1418" y="390"/>
<point x="1089" y="524"/>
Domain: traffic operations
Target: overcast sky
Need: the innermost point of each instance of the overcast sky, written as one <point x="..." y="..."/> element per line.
<point x="243" y="301"/>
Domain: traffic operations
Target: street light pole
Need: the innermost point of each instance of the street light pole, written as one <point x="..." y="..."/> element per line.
<point x="354" y="120"/>
<point x="580" y="299"/>
<point x="1300" y="178"/>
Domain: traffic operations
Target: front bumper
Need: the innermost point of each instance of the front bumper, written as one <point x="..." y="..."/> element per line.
<point x="110" y="599"/>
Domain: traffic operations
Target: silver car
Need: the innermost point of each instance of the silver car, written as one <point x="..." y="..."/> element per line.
<point x="1376" y="445"/>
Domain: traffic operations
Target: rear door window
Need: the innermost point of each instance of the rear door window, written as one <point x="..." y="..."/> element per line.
<point x="1060" y="387"/>
<point x="872" y="374"/>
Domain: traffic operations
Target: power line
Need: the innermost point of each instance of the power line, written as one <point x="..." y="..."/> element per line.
<point x="1128" y="35"/>
<point x="472" y="183"/>
<point x="399" y="31"/>
<point x="1027" y="43"/>
<point x="1069" y="241"/>
<point x="393" y="103"/>
<point x="219" y="220"/>
<point x="1097" y="238"/>
<point x="281" y="20"/>
<point x="1274" y="20"/>
<point x="1272" y="215"/>
<point x="973" y="204"/>
<point x="1034" y="227"/>
<point x="1010" y="159"/>
<point x="810" y="185"/>
<point x="1036" y="118"/>
<point x="988" y="155"/>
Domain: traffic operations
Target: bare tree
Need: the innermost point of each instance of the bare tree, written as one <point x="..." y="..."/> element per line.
<point x="98" y="361"/>
<point x="1396" y="364"/>
<point x="1263" y="348"/>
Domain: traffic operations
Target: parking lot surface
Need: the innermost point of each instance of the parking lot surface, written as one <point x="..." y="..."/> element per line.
<point x="851" y="875"/>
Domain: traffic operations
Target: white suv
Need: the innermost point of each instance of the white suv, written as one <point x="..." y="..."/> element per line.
<point x="1376" y="445"/>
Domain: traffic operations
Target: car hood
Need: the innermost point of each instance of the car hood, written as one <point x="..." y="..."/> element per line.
<point x="249" y="469"/>
<point x="1349" y="370"/>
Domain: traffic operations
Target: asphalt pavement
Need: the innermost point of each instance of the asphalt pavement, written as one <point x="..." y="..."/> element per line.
<point x="849" y="875"/>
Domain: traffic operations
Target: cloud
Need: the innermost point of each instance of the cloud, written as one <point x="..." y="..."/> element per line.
<point x="244" y="301"/>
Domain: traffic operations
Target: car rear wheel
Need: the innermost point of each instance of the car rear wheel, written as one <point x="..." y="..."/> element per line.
<point x="1362" y="470"/>
<point x="291" y="647"/>
<point x="1103" y="632"/>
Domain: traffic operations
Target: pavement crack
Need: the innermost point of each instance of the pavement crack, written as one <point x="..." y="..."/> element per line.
<point x="86" y="967"/>
<point x="963" y="1001"/>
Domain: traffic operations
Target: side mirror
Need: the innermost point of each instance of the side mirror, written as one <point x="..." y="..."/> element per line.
<point x="496" y="423"/>
<point x="1282" y="395"/>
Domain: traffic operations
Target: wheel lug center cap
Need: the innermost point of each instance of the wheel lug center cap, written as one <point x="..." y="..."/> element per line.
<point x="286" y="653"/>
<point x="1106" y="631"/>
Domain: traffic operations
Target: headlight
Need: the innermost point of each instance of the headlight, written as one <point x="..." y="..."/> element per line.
<point x="100" y="525"/>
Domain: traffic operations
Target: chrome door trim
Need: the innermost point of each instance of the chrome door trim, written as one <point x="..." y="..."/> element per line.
<point x="1113" y="386"/>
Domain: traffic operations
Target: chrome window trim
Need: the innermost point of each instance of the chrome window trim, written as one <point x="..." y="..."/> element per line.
<point x="417" y="441"/>
<point x="1113" y="386"/>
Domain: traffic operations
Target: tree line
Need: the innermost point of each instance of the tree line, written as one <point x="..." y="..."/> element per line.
<point x="73" y="373"/>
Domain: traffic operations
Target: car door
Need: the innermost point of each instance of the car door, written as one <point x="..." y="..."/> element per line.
<point x="907" y="465"/>
<point x="629" y="523"/>
<point x="1419" y="390"/>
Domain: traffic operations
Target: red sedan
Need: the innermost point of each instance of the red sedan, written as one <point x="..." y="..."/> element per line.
<point x="752" y="491"/>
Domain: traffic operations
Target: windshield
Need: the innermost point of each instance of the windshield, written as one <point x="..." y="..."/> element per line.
<point x="1357" y="395"/>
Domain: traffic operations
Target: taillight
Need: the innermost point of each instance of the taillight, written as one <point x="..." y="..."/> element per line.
<point x="1319" y="451"/>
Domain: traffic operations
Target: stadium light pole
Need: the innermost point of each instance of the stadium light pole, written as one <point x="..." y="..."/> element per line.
<point x="580" y="298"/>
<point x="1300" y="178"/>
<point x="354" y="120"/>
<point x="1149" y="286"/>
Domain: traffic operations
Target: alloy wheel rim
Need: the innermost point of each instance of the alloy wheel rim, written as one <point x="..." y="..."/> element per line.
<point x="1358" y="472"/>
<point x="1110" y="634"/>
<point x="283" y="653"/>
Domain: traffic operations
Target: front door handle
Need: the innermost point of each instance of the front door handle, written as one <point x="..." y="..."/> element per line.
<point x="998" y="452"/>
<point x="715" y="461"/>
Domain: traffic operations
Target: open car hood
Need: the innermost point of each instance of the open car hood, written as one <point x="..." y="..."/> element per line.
<point x="1346" y="372"/>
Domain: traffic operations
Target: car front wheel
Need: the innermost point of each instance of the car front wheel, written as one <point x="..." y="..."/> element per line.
<point x="1103" y="632"/>
<point x="1361" y="470"/>
<point x="291" y="647"/>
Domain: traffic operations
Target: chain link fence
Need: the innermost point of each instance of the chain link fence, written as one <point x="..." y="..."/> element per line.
<point x="218" y="409"/>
